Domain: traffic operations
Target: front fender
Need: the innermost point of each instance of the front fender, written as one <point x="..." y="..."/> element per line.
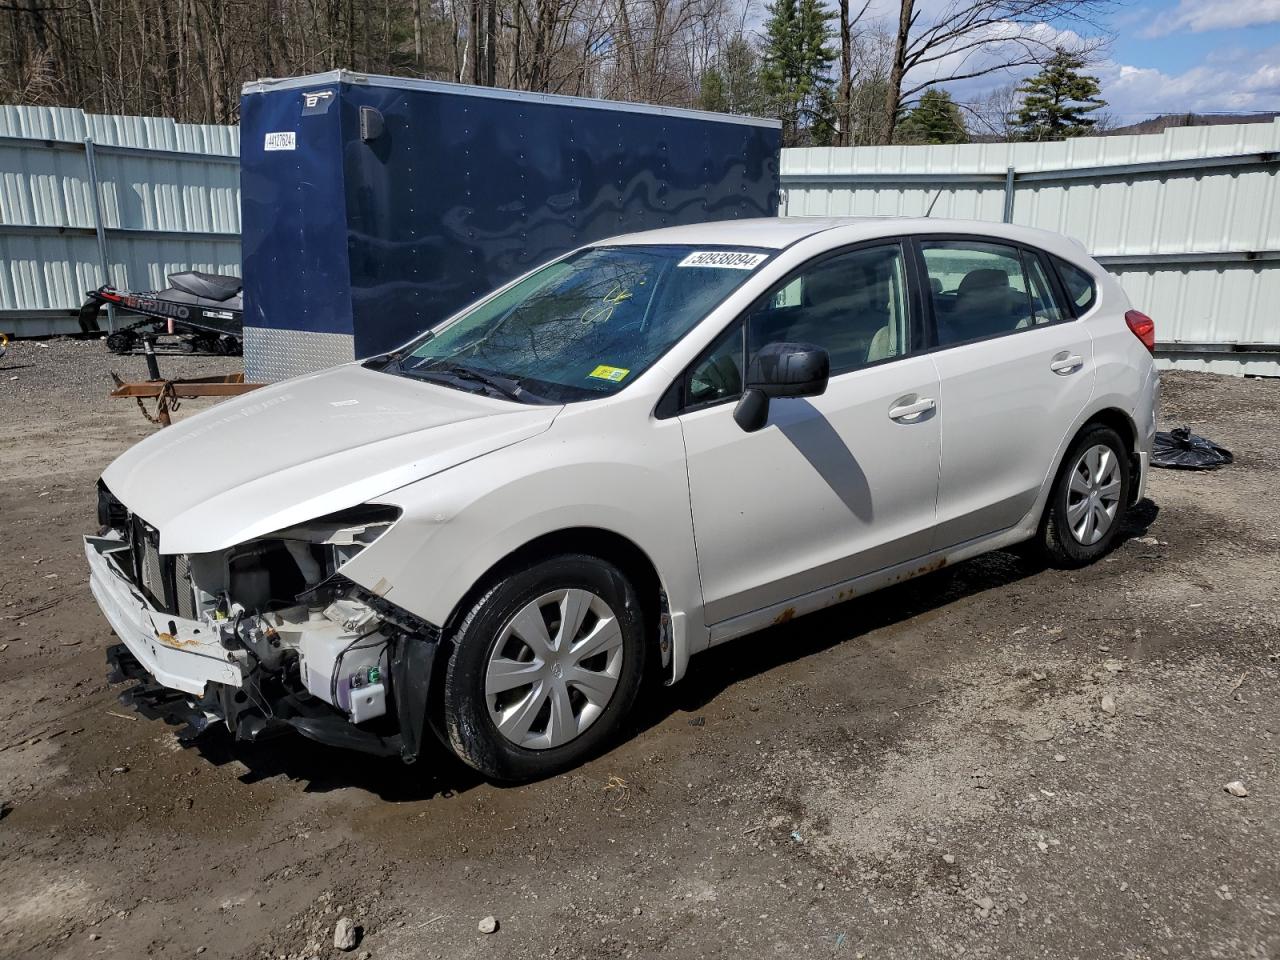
<point x="459" y="524"/>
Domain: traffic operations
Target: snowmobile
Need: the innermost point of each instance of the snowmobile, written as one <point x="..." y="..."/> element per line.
<point x="206" y="310"/>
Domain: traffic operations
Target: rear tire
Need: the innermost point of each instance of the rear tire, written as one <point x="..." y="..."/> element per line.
<point x="546" y="665"/>
<point x="1089" y="502"/>
<point x="121" y="342"/>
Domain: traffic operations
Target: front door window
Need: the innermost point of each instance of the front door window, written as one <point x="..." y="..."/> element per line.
<point x="853" y="305"/>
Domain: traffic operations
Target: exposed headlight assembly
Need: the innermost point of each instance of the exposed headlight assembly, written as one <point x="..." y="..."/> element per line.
<point x="288" y="566"/>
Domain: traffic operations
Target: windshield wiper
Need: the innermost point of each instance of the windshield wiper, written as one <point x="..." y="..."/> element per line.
<point x="389" y="361"/>
<point x="504" y="386"/>
<point x="507" y="386"/>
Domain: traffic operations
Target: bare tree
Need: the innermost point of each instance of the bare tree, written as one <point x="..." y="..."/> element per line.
<point x="418" y="49"/>
<point x="652" y="47"/>
<point x="974" y="38"/>
<point x="188" y="58"/>
<point x="992" y="116"/>
<point x="870" y="55"/>
<point x="844" y="92"/>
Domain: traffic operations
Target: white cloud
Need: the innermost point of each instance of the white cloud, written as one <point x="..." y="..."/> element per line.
<point x="1246" y="83"/>
<point x="1010" y="41"/>
<point x="1226" y="81"/>
<point x="1198" y="16"/>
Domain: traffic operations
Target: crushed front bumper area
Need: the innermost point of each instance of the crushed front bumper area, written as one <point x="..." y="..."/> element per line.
<point x="173" y="650"/>
<point x="197" y="715"/>
<point x="154" y="701"/>
<point x="181" y="673"/>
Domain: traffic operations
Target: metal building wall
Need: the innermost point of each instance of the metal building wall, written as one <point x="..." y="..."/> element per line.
<point x="167" y="199"/>
<point x="1188" y="220"/>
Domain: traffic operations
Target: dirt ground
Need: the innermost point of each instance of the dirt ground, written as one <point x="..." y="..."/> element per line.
<point x="927" y="772"/>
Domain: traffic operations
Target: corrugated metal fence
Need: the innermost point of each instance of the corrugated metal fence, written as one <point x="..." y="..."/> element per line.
<point x="87" y="199"/>
<point x="1189" y="220"/>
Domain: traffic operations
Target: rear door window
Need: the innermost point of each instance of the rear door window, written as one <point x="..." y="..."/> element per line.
<point x="978" y="289"/>
<point x="1046" y="304"/>
<point x="1079" y="284"/>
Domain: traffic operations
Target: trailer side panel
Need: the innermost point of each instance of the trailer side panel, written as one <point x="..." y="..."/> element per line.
<point x="353" y="245"/>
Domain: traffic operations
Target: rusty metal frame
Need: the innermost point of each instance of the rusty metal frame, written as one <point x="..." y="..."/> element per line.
<point x="168" y="394"/>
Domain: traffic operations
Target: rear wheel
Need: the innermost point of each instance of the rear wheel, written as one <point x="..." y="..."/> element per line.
<point x="121" y="341"/>
<point x="545" y="666"/>
<point x="1089" y="501"/>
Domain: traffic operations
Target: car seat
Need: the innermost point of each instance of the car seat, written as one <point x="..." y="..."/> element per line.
<point x="985" y="304"/>
<point x="848" y="304"/>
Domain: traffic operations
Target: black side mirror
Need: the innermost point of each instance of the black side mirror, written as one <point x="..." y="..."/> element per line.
<point x="781" y="370"/>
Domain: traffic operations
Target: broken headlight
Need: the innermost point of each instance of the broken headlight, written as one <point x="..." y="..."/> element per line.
<point x="282" y="569"/>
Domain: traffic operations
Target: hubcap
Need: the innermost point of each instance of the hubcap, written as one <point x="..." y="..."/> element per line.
<point x="554" y="669"/>
<point x="1093" y="495"/>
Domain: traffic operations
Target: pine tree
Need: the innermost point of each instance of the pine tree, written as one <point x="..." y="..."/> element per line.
<point x="1058" y="100"/>
<point x="797" y="63"/>
<point x="824" y="128"/>
<point x="935" y="119"/>
<point x="732" y="83"/>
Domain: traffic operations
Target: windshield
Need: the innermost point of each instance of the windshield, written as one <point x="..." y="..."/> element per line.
<point x="581" y="327"/>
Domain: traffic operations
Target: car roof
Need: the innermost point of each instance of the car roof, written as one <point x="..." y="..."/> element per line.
<point x="772" y="232"/>
<point x="778" y="232"/>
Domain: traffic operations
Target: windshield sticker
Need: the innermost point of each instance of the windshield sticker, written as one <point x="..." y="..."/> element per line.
<point x="612" y="374"/>
<point x="725" y="259"/>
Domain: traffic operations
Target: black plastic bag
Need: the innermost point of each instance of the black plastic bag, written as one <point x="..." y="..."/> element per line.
<point x="1180" y="449"/>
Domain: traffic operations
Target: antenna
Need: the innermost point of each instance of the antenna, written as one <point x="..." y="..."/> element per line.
<point x="936" y="194"/>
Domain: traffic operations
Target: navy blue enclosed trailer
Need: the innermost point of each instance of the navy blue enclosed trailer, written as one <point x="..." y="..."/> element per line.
<point x="374" y="207"/>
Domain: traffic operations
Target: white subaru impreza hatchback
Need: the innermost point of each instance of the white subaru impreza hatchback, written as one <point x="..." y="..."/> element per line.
<point x="647" y="447"/>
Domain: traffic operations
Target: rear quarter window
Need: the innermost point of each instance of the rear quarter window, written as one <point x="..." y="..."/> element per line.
<point x="1080" y="286"/>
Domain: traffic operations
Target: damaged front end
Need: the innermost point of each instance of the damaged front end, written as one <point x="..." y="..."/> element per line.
<point x="266" y="636"/>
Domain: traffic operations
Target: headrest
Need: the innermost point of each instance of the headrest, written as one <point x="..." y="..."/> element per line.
<point x="985" y="279"/>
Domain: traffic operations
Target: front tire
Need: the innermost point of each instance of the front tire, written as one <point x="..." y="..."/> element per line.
<point x="545" y="666"/>
<point x="1089" y="501"/>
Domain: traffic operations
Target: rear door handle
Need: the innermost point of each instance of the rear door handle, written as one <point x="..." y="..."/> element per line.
<point x="908" y="409"/>
<point x="1065" y="363"/>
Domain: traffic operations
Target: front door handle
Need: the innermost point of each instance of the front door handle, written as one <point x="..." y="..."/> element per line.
<point x="908" y="409"/>
<point x="1065" y="363"/>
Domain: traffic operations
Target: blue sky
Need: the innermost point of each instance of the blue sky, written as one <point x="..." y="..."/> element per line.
<point x="1165" y="56"/>
<point x="1192" y="55"/>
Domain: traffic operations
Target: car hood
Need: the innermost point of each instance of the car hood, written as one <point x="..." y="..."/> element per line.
<point x="304" y="448"/>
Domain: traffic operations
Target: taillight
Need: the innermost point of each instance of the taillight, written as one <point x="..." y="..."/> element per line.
<point x="1143" y="327"/>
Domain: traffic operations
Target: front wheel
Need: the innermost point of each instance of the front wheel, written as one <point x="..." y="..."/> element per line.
<point x="545" y="667"/>
<point x="1089" y="501"/>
